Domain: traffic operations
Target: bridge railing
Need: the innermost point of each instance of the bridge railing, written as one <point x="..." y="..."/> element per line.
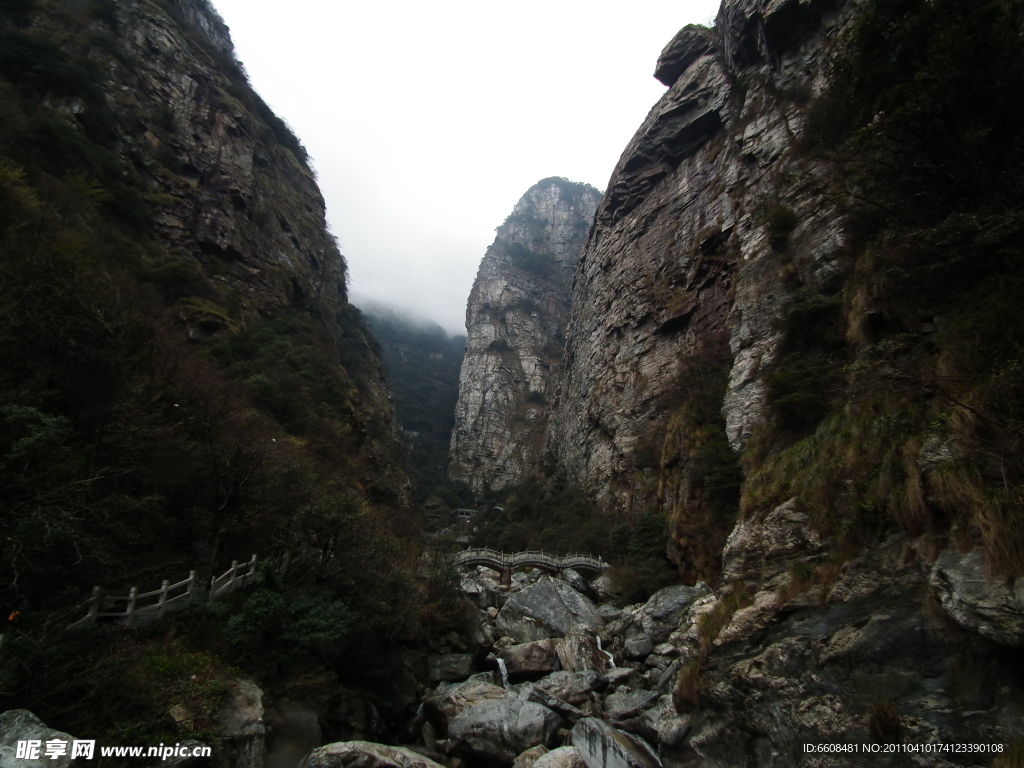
<point x="167" y="599"/>
<point x="486" y="556"/>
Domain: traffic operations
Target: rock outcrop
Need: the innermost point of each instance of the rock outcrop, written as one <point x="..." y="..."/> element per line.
<point x="515" y="322"/>
<point x="682" y="270"/>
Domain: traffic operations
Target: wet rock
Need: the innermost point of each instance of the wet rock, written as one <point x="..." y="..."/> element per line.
<point x="529" y="659"/>
<point x="364" y="754"/>
<point x="499" y="730"/>
<point x="578" y="652"/>
<point x="549" y="608"/>
<point x="563" y="757"/>
<point x="449" y="667"/>
<point x="602" y="746"/>
<point x="444" y="705"/>
<point x="21" y="725"/>
<point x="993" y="607"/>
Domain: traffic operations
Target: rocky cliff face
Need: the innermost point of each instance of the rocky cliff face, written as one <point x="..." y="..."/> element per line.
<point x="686" y="224"/>
<point x="719" y="247"/>
<point x="515" y="322"/>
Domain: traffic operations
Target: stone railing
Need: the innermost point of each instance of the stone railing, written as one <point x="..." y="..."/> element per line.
<point x="145" y="607"/>
<point x="500" y="561"/>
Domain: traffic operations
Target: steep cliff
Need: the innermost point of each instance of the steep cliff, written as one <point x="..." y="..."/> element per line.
<point x="515" y="321"/>
<point x="790" y="335"/>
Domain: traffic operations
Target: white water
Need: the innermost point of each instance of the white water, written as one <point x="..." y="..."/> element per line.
<point x="504" y="672"/>
<point x="611" y="659"/>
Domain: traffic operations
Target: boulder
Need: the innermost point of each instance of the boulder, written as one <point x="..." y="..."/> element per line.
<point x="449" y="666"/>
<point x="529" y="659"/>
<point x="549" y="608"/>
<point x="21" y="725"/>
<point x="689" y="44"/>
<point x="638" y="647"/>
<point x="626" y="703"/>
<point x="578" y="652"/>
<point x="572" y="687"/>
<point x="660" y="615"/>
<point x="444" y="705"/>
<point x="530" y="757"/>
<point x="993" y="607"/>
<point x="364" y="754"/>
<point x="498" y="730"/>
<point x="563" y="757"/>
<point x="580" y="584"/>
<point x="602" y="746"/>
<point x="241" y="726"/>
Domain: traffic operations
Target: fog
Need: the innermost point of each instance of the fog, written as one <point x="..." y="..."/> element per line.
<point x="426" y="122"/>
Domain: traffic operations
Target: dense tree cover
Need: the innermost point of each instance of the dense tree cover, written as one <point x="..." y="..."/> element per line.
<point x="922" y="125"/>
<point x="129" y="453"/>
<point x="422" y="363"/>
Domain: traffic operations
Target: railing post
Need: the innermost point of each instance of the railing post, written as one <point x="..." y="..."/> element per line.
<point x="163" y="598"/>
<point x="191" y="583"/>
<point x="95" y="607"/>
<point x="231" y="581"/>
<point x="252" y="572"/>
<point x="131" y="604"/>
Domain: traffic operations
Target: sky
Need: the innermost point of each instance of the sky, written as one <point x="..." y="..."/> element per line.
<point x="427" y="121"/>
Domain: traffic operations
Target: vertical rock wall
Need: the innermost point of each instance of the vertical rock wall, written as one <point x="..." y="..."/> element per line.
<point x="515" y="323"/>
<point x="687" y="257"/>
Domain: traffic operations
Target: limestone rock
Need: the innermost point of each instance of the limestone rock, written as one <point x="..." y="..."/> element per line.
<point x="21" y="725"/>
<point x="549" y="608"/>
<point x="993" y="607"/>
<point x="499" y="730"/>
<point x="760" y="550"/>
<point x="626" y="703"/>
<point x="532" y="659"/>
<point x="563" y="757"/>
<point x="572" y="687"/>
<point x="515" y="321"/>
<point x="530" y="757"/>
<point x="602" y="746"/>
<point x="364" y="754"/>
<point x="578" y="652"/>
<point x="689" y="44"/>
<point x="446" y="704"/>
<point x="241" y="727"/>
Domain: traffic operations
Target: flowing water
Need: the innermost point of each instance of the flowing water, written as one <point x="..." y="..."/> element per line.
<point x="504" y="672"/>
<point x="611" y="659"/>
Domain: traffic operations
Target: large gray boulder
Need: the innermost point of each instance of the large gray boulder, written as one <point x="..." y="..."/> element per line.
<point x="529" y="659"/>
<point x="448" y="702"/>
<point x="497" y="731"/>
<point x="21" y="725"/>
<point x="602" y="746"/>
<point x="993" y="607"/>
<point x="242" y="730"/>
<point x="572" y="687"/>
<point x="661" y="613"/>
<point x="549" y="608"/>
<point x="578" y="652"/>
<point x="364" y="754"/>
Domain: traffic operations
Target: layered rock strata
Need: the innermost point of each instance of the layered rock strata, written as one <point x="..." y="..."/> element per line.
<point x="684" y="265"/>
<point x="515" y="321"/>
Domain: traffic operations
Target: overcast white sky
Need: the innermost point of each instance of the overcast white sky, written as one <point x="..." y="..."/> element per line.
<point x="427" y="121"/>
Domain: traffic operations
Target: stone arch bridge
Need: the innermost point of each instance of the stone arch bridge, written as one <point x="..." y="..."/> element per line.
<point x="505" y="564"/>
